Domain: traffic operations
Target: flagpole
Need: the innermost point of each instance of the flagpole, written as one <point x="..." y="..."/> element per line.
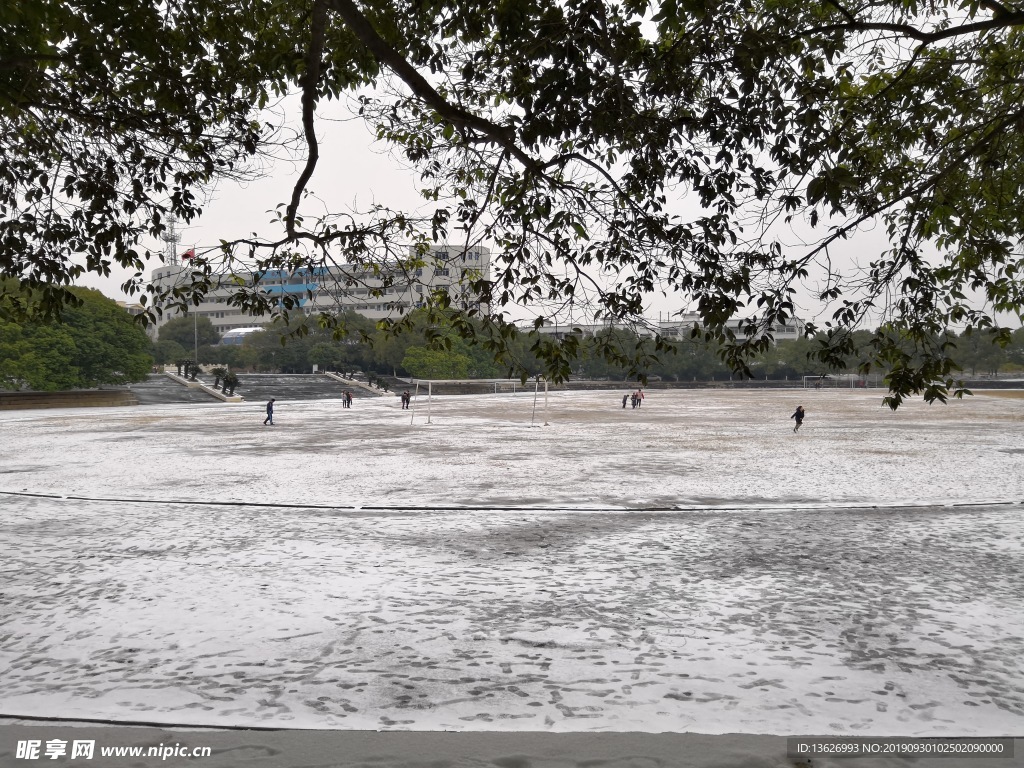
<point x="195" y="317"/>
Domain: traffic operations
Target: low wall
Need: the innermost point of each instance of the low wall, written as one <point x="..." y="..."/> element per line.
<point x="86" y="398"/>
<point x="759" y="384"/>
<point x="488" y="387"/>
<point x="203" y="387"/>
<point x="477" y="388"/>
<point x="352" y="383"/>
<point x="701" y="384"/>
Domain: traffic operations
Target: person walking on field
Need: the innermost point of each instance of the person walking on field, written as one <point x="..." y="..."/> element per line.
<point x="639" y="398"/>
<point x="624" y="399"/>
<point x="270" y="413"/>
<point x="348" y="399"/>
<point x="798" y="414"/>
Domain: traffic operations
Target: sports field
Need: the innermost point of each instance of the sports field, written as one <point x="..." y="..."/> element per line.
<point x="692" y="565"/>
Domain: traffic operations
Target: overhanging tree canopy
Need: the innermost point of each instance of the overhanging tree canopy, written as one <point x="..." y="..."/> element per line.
<point x="718" y="152"/>
<point x="114" y="115"/>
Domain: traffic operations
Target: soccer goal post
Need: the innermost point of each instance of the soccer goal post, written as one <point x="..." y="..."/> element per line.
<point x="819" y="382"/>
<point x="840" y="380"/>
<point x="482" y="387"/>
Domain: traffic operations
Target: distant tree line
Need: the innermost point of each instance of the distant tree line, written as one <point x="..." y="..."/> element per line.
<point x="438" y="352"/>
<point x="98" y="343"/>
<point x="429" y="351"/>
<point x="95" y="342"/>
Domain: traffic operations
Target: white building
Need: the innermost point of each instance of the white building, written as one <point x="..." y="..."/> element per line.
<point x="678" y="327"/>
<point x="336" y="288"/>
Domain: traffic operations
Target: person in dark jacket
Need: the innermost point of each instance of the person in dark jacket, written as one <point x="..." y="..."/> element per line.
<point x="798" y="414"/>
<point x="270" y="413"/>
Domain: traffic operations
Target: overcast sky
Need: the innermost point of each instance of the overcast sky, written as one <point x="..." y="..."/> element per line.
<point x="355" y="172"/>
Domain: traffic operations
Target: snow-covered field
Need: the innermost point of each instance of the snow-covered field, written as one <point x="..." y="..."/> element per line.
<point x="693" y="565"/>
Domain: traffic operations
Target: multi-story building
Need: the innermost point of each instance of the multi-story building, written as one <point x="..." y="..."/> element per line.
<point x="378" y="293"/>
<point x="678" y="327"/>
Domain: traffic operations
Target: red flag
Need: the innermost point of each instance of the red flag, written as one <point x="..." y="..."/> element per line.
<point x="189" y="254"/>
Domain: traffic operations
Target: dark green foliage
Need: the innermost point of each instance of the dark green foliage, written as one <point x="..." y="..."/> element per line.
<point x="604" y="150"/>
<point x="231" y="381"/>
<point x="218" y="374"/>
<point x="165" y="352"/>
<point x="95" y="342"/>
<point x="184" y="330"/>
<point x="115" y="114"/>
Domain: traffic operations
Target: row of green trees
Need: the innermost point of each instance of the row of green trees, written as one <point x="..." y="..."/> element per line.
<point x="427" y="352"/>
<point x="438" y="352"/>
<point x="94" y="343"/>
<point x="97" y="343"/>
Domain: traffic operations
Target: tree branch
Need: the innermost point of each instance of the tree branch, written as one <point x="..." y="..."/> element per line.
<point x="311" y="77"/>
<point x="999" y="21"/>
<point x="362" y="28"/>
<point x="842" y="10"/>
<point x="18" y="62"/>
<point x="998" y="10"/>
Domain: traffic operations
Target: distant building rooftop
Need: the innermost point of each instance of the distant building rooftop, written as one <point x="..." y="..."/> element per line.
<point x="236" y="336"/>
<point x="131" y="309"/>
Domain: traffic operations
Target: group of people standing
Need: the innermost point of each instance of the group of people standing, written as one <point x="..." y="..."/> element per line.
<point x="637" y="399"/>
<point x="346" y="402"/>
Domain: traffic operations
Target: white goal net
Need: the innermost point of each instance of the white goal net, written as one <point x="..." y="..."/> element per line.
<point x="423" y="392"/>
<point x="841" y="380"/>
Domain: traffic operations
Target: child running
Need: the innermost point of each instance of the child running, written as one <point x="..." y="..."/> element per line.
<point x="798" y="414"/>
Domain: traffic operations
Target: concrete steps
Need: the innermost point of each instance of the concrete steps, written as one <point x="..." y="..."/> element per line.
<point x="252" y="387"/>
<point x="159" y="389"/>
<point x="86" y="398"/>
<point x="260" y="387"/>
